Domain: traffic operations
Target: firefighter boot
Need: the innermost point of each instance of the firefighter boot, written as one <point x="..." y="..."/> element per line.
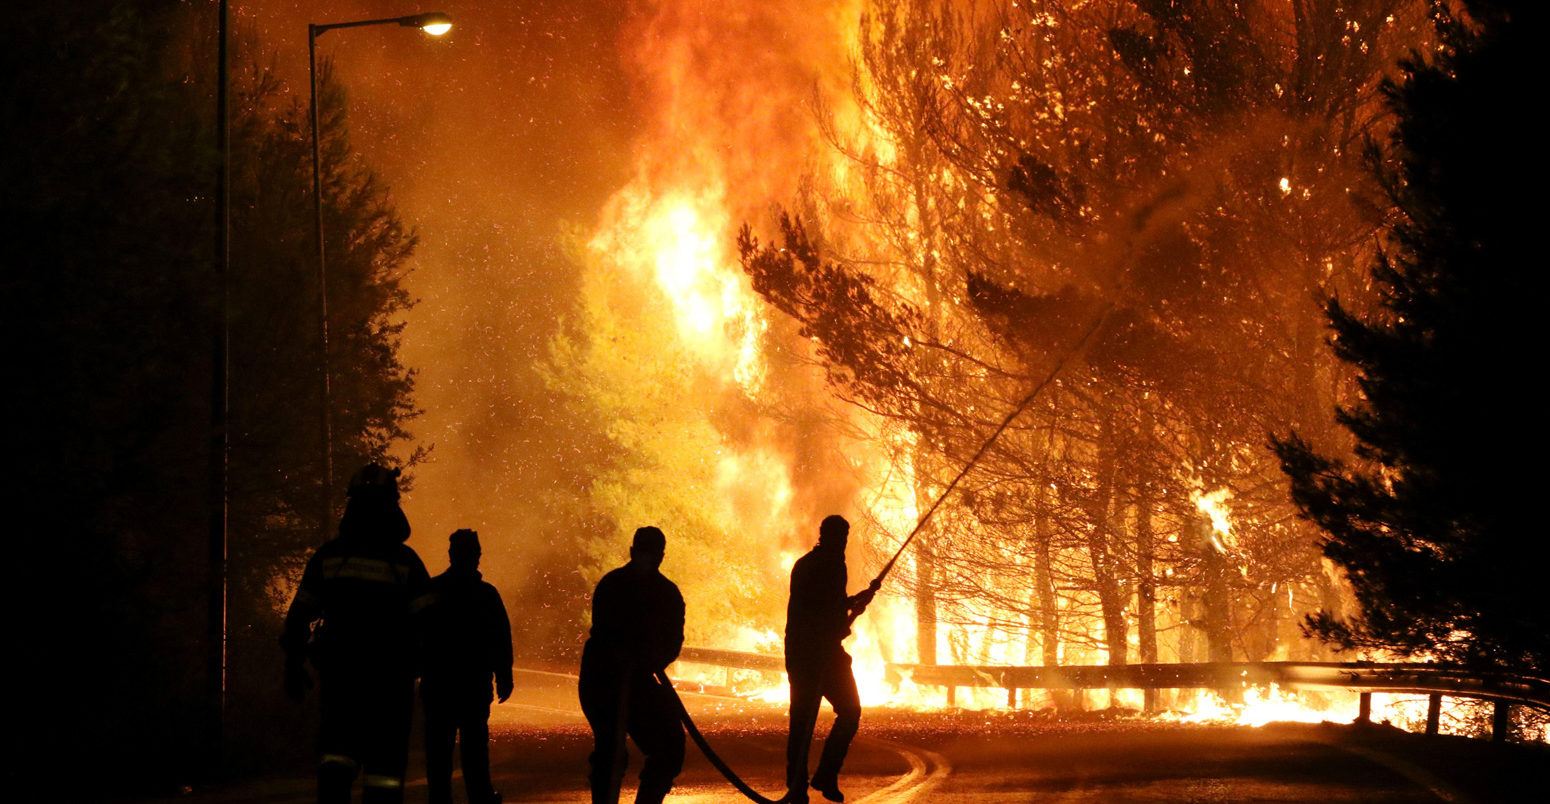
<point x="382" y="789"/>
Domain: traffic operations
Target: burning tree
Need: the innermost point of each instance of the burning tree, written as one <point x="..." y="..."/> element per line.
<point x="1184" y="181"/>
<point x="664" y="462"/>
<point x="1434" y="533"/>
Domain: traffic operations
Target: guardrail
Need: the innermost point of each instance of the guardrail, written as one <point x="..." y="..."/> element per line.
<point x="1436" y="681"/>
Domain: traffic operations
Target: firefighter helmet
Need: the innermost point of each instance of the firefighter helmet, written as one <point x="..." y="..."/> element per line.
<point x="374" y="477"/>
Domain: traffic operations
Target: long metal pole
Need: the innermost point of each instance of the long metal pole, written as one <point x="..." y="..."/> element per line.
<point x="985" y="446"/>
<point x="325" y="520"/>
<point x="220" y="408"/>
<point x="327" y="419"/>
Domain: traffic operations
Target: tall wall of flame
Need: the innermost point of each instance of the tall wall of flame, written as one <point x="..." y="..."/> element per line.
<point x="731" y="130"/>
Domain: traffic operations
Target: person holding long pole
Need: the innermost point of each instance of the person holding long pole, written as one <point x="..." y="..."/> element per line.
<point x="818" y="618"/>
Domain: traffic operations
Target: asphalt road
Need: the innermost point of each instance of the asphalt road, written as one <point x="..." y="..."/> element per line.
<point x="540" y="743"/>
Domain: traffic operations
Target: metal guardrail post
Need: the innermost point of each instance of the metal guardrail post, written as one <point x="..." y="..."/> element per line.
<point x="1501" y="722"/>
<point x="1364" y="709"/>
<point x="1433" y="712"/>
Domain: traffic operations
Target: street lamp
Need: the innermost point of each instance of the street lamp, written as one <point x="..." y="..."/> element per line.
<point x="434" y="23"/>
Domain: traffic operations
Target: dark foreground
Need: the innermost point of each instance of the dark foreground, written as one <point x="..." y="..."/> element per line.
<point x="541" y="743"/>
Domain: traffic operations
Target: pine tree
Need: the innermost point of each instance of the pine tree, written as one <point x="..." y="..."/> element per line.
<point x="1433" y="520"/>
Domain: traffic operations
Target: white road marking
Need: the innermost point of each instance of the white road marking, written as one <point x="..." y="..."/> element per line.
<point x="928" y="769"/>
<point x="549" y="710"/>
<point x="570" y="676"/>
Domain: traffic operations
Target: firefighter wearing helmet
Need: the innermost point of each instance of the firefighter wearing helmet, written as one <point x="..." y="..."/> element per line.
<point x="352" y="618"/>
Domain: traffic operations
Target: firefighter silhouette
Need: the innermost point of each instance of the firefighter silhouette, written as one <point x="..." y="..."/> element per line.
<point x="637" y="631"/>
<point x="351" y="618"/>
<point x="467" y="645"/>
<point x="818" y="618"/>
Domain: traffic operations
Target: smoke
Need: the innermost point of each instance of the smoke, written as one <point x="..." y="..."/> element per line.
<point x="728" y="92"/>
<point x="496" y="140"/>
<point x="535" y="130"/>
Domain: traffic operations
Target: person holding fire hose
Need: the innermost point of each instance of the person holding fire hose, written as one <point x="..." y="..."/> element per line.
<point x="363" y="587"/>
<point x="467" y="644"/>
<point x="637" y="631"/>
<point x="818" y="618"/>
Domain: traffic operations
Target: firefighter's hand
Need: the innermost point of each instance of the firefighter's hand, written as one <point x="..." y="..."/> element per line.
<point x="860" y="601"/>
<point x="503" y="689"/>
<point x="297" y="681"/>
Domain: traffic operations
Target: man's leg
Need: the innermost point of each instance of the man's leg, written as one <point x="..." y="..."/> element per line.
<point x="601" y="702"/>
<point x="440" y="734"/>
<point x="474" y="737"/>
<point x="382" y="778"/>
<point x="839" y="686"/>
<point x="657" y="731"/>
<point x="338" y="743"/>
<point x="805" y="697"/>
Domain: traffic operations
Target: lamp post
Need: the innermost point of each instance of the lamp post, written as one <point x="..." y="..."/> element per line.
<point x="218" y="490"/>
<point x="434" y="23"/>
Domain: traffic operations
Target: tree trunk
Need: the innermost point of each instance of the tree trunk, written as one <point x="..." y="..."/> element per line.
<point x="925" y="600"/>
<point x="1044" y="611"/>
<point x="1099" y="537"/>
<point x="1214" y="616"/>
<point x="1146" y="589"/>
<point x="926" y="266"/>
<point x="1044" y="592"/>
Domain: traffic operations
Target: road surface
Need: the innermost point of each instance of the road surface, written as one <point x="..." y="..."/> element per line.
<point x="540" y="744"/>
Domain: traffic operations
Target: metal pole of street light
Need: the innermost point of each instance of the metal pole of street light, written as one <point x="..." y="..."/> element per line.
<point x="218" y="492"/>
<point x="326" y="421"/>
<point x="435" y="24"/>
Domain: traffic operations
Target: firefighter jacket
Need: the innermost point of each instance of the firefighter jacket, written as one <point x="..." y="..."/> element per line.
<point x="467" y="637"/>
<point x="637" y="624"/>
<point x="818" y="612"/>
<point x="362" y="590"/>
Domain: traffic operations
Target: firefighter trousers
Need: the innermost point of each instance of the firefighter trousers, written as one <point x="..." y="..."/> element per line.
<point x="466" y="722"/>
<point x="365" y="731"/>
<point x="650" y="718"/>
<point x="811" y="683"/>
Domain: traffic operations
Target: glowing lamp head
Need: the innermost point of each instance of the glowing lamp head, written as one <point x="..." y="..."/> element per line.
<point x="434" y="23"/>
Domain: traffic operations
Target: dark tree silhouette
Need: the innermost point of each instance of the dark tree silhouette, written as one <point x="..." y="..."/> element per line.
<point x="1434" y="519"/>
<point x="276" y="465"/>
<point x="114" y="304"/>
<point x="107" y="209"/>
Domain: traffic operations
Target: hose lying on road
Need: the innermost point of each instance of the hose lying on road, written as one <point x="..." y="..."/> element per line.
<point x="721" y="765"/>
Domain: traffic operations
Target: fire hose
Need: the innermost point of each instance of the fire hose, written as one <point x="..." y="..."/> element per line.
<point x="710" y="754"/>
<point x="877" y="582"/>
